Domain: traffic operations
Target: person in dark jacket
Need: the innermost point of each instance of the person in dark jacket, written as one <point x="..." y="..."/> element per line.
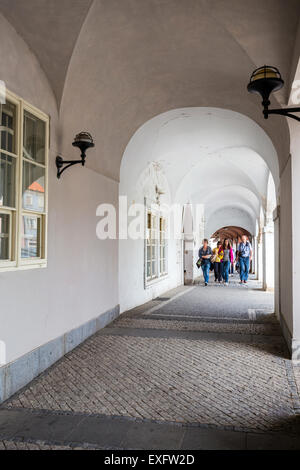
<point x="205" y="255"/>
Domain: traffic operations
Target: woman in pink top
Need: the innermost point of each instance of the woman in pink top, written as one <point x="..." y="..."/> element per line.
<point x="227" y="259"/>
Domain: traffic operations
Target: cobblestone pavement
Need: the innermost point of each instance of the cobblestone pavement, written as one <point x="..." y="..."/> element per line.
<point x="22" y="445"/>
<point x="232" y="371"/>
<point x="297" y="376"/>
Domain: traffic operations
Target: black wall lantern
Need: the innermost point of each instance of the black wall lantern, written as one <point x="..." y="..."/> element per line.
<point x="83" y="141"/>
<point x="264" y="81"/>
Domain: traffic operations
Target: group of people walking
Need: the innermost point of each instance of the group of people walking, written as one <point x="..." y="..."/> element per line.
<point x="222" y="258"/>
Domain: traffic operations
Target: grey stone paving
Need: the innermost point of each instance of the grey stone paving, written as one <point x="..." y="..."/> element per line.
<point x="23" y="445"/>
<point x="221" y="301"/>
<point x="202" y="360"/>
<point x="297" y="376"/>
<point x="204" y="326"/>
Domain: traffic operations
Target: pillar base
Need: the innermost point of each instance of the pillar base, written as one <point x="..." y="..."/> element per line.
<point x="293" y="344"/>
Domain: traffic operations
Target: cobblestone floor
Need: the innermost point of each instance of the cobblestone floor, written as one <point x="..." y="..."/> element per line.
<point x="204" y="326"/>
<point x="232" y="373"/>
<point x="19" y="445"/>
<point x="297" y="376"/>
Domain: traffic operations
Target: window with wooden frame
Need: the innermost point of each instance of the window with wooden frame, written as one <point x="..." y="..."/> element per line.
<point x="24" y="136"/>
<point x="156" y="246"/>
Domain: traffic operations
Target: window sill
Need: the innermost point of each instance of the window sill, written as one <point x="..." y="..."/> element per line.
<point x="149" y="284"/>
<point x="23" y="267"/>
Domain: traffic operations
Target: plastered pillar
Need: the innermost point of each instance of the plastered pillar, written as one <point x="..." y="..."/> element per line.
<point x="268" y="257"/>
<point x="260" y="258"/>
<point x="189" y="259"/>
<point x="276" y="220"/>
<point x="254" y="257"/>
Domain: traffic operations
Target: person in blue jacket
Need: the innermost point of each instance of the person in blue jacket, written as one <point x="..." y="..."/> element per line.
<point x="244" y="257"/>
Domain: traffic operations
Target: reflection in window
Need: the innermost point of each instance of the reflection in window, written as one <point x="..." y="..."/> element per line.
<point x="162" y="246"/>
<point x="31" y="236"/>
<point x="156" y="246"/>
<point x="33" y="190"/>
<point x="7" y="126"/>
<point x="33" y="138"/>
<point x="23" y="197"/>
<point x="7" y="180"/>
<point x="151" y="265"/>
<point x="4" y="236"/>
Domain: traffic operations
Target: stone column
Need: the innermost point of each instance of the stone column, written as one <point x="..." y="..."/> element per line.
<point x="260" y="257"/>
<point x="268" y="256"/>
<point x="189" y="259"/>
<point x="276" y="220"/>
<point x="254" y="257"/>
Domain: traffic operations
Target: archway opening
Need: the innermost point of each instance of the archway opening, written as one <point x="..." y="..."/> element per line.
<point x="234" y="235"/>
<point x="219" y="169"/>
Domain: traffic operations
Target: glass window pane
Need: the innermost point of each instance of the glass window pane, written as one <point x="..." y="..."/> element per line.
<point x="7" y="180"/>
<point x="148" y="269"/>
<point x="8" y="127"/>
<point x="34" y="133"/>
<point x="33" y="192"/>
<point x="31" y="236"/>
<point x="4" y="236"/>
<point x="153" y="268"/>
<point x="153" y="235"/>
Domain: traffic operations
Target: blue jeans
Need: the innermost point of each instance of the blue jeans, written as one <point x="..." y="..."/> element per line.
<point x="205" y="269"/>
<point x="244" y="268"/>
<point x="225" y="270"/>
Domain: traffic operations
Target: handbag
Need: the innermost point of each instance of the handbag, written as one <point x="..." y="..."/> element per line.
<point x="213" y="258"/>
<point x="199" y="263"/>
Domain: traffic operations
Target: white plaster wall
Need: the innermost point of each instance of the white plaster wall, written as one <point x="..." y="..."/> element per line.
<point x="80" y="281"/>
<point x="132" y="289"/>
<point x="132" y="254"/>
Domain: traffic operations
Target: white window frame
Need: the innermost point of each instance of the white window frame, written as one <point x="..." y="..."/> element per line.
<point x="155" y="211"/>
<point x="16" y="262"/>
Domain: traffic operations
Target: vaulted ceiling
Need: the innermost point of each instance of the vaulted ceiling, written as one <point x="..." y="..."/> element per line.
<point x="125" y="61"/>
<point x="51" y="29"/>
<point x="266" y="30"/>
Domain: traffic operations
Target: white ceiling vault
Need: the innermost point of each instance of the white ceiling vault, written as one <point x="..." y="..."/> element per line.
<point x="115" y="64"/>
<point x="51" y="29"/>
<point x="213" y="157"/>
<point x="265" y="30"/>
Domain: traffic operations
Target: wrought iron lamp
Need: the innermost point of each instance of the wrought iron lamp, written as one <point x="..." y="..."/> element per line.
<point x="83" y="141"/>
<point x="264" y="81"/>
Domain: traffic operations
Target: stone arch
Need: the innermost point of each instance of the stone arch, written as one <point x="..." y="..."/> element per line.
<point x="215" y="162"/>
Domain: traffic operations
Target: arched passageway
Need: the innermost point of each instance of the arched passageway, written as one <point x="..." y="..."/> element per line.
<point x="216" y="167"/>
<point x="161" y="87"/>
<point x="234" y="236"/>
